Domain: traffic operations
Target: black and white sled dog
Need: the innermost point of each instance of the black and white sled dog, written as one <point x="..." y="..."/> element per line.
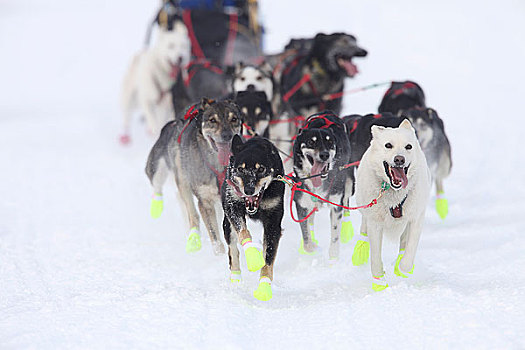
<point x="256" y="110"/>
<point x="197" y="151"/>
<point x="407" y="99"/>
<point x="252" y="190"/>
<point x="308" y="77"/>
<point x="394" y="164"/>
<point x="247" y="77"/>
<point x="319" y="152"/>
<point x="149" y="79"/>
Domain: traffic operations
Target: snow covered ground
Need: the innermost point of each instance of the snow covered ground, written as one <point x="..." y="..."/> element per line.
<point x="83" y="266"/>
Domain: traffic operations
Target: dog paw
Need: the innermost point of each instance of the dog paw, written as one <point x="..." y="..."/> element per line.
<point x="347" y="230"/>
<point x="156" y="207"/>
<point x="193" y="243"/>
<point x="254" y="257"/>
<point x="124" y="139"/>
<point x="218" y="248"/>
<point x="442" y="207"/>
<point x="235" y="276"/>
<point x="379" y="283"/>
<point x="309" y="249"/>
<point x="361" y="250"/>
<point x="264" y="291"/>
<point x="397" y="270"/>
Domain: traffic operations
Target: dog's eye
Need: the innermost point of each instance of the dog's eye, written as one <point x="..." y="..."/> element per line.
<point x="212" y="120"/>
<point x="234" y="120"/>
<point x="408" y="147"/>
<point x="261" y="169"/>
<point x="259" y="78"/>
<point x="388" y="145"/>
<point x="243" y="78"/>
<point x="310" y="143"/>
<point x="240" y="169"/>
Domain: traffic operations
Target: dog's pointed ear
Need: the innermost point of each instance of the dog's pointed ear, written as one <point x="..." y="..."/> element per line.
<point x="238" y="67"/>
<point x="266" y="68"/>
<point x="431" y="113"/>
<point x="206" y="102"/>
<point x="376" y="130"/>
<point x="236" y="144"/>
<point x="405" y="124"/>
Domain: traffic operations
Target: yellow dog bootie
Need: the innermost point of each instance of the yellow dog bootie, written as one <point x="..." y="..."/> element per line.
<point x="379" y="283"/>
<point x="157" y="205"/>
<point x="193" y="243"/>
<point x="361" y="250"/>
<point x="264" y="291"/>
<point x="397" y="270"/>
<point x="254" y="257"/>
<point x="441" y="205"/>
<point x="347" y="230"/>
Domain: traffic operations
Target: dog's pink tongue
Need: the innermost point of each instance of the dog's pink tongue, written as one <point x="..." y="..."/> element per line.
<point x="351" y="69"/>
<point x="399" y="176"/>
<point x="316" y="170"/>
<point x="224" y="153"/>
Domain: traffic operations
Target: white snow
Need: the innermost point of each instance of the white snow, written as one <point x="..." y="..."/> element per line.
<point x="82" y="265"/>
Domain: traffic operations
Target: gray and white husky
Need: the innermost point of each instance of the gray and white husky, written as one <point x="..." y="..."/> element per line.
<point x="197" y="151"/>
<point x="148" y="81"/>
<point x="394" y="161"/>
<point x="434" y="142"/>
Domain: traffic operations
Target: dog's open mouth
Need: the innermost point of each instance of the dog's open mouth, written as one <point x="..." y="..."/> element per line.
<point x="251" y="203"/>
<point x="319" y="170"/>
<point x="397" y="175"/>
<point x="222" y="149"/>
<point x="345" y="62"/>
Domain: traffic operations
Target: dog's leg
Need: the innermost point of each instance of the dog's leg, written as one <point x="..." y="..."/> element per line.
<point x="405" y="260"/>
<point x="209" y="216"/>
<point x="336" y="214"/>
<point x="362" y="247"/>
<point x="193" y="241"/>
<point x="375" y="235"/>
<point x="441" y="201"/>
<point x="347" y="230"/>
<point x="272" y="235"/>
<point x="254" y="257"/>
<point x="158" y="172"/>
<point x="308" y="242"/>
<point x="233" y="251"/>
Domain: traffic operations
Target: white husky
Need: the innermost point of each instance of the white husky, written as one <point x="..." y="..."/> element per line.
<point x="396" y="162"/>
<point x="149" y="79"/>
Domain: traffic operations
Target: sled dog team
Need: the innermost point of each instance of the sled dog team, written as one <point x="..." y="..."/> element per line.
<point x="235" y="150"/>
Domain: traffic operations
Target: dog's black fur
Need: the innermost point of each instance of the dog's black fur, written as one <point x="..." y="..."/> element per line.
<point x="324" y="62"/>
<point x="256" y="110"/>
<point x="254" y="165"/>
<point x="402" y="95"/>
<point x="359" y="130"/>
<point x="323" y="140"/>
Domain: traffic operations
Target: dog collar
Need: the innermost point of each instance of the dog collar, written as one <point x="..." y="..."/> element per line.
<point x="397" y="211"/>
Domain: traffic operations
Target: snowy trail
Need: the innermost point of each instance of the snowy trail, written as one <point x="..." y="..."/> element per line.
<point x="83" y="266"/>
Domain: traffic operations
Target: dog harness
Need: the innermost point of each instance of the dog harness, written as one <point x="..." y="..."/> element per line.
<point x="397" y="211"/>
<point x="403" y="89"/>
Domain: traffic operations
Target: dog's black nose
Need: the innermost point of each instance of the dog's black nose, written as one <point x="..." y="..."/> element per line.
<point x="249" y="190"/>
<point x="324" y="155"/>
<point x="399" y="160"/>
<point x="250" y="87"/>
